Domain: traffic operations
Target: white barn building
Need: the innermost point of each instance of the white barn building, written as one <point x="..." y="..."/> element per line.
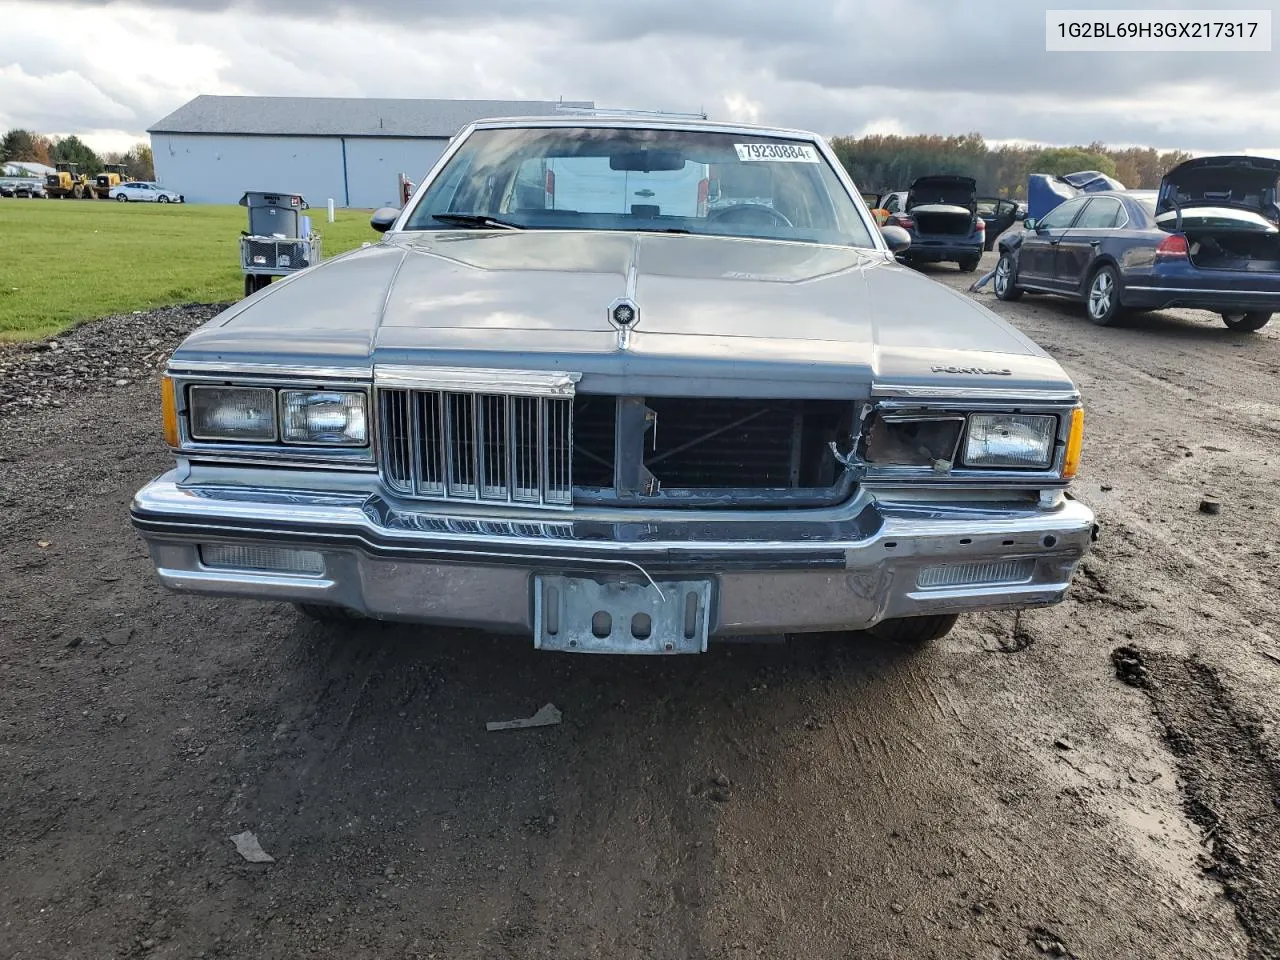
<point x="25" y="168"/>
<point x="352" y="150"/>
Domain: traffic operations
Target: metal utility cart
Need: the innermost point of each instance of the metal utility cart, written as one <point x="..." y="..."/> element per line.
<point x="279" y="240"/>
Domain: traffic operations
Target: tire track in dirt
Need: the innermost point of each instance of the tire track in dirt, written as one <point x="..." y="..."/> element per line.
<point x="1230" y="780"/>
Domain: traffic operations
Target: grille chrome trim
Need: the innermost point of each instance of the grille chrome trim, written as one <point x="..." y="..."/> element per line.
<point x="521" y="383"/>
<point x="447" y="442"/>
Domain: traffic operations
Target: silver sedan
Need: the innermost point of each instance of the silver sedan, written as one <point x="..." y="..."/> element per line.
<point x="144" y="192"/>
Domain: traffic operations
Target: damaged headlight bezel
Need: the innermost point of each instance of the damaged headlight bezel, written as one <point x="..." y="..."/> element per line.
<point x="955" y="467"/>
<point x="945" y="430"/>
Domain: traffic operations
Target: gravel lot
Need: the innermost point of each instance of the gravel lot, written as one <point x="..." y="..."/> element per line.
<point x="1096" y="780"/>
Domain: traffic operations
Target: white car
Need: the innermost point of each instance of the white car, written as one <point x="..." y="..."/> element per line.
<point x="145" y="192"/>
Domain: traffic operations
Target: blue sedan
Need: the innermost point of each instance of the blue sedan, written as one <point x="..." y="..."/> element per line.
<point x="1207" y="239"/>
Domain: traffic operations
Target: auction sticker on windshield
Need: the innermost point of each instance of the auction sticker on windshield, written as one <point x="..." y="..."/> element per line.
<point x="786" y="152"/>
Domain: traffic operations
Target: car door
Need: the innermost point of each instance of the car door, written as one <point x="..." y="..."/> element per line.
<point x="1080" y="244"/>
<point x="1036" y="254"/>
<point x="132" y="192"/>
<point x="1004" y="216"/>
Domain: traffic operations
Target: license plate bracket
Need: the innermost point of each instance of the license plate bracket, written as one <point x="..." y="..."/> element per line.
<point x="583" y="615"/>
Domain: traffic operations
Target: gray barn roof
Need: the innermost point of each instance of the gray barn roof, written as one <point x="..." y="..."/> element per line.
<point x="343" y="116"/>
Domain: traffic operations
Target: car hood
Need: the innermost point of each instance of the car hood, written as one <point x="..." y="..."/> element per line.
<point x="717" y="316"/>
<point x="1247" y="183"/>
<point x="951" y="190"/>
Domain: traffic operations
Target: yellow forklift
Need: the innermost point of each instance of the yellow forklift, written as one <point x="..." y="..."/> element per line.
<point x="68" y="182"/>
<point x="112" y="175"/>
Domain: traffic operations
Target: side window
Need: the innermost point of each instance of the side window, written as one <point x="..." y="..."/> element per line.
<point x="1100" y="214"/>
<point x="892" y="204"/>
<point x="1061" y="216"/>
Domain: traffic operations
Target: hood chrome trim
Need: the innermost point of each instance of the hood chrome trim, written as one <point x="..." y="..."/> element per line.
<point x="178" y="367"/>
<point x="1011" y="394"/>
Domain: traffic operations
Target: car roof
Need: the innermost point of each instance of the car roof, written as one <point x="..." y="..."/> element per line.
<point x="1118" y="194"/>
<point x="643" y="123"/>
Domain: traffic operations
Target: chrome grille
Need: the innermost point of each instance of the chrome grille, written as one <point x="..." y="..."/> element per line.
<point x="464" y="445"/>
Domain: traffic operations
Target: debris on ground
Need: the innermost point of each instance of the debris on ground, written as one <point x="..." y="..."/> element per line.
<point x="1047" y="942"/>
<point x="1129" y="667"/>
<point x="1211" y="505"/>
<point x="1062" y="743"/>
<point x="547" y="716"/>
<point x="982" y="281"/>
<point x="248" y="847"/>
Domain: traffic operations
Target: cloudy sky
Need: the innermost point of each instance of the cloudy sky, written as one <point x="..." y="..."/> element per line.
<point x="107" y="69"/>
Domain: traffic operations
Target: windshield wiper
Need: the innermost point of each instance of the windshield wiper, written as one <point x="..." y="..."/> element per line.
<point x="475" y="220"/>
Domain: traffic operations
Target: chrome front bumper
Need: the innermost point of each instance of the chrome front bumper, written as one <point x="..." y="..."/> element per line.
<point x="877" y="559"/>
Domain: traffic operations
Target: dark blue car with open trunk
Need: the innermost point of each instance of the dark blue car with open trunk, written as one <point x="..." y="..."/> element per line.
<point x="1209" y="239"/>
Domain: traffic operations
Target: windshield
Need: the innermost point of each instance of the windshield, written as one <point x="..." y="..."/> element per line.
<point x="603" y="178"/>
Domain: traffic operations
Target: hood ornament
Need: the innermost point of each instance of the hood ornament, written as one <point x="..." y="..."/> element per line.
<point x="624" y="313"/>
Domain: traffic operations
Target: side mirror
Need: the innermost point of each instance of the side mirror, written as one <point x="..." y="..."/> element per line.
<point x="1029" y="223"/>
<point x="383" y="218"/>
<point x="896" y="238"/>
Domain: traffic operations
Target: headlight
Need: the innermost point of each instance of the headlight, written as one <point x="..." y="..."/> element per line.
<point x="1010" y="440"/>
<point x="233" y="413"/>
<point x="324" y="418"/>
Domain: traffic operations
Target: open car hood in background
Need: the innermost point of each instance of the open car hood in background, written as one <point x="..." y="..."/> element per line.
<point x="1244" y="183"/>
<point x="1091" y="181"/>
<point x="950" y="190"/>
<point x="1045" y="190"/>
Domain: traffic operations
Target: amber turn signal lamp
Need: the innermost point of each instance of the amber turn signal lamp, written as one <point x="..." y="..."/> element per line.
<point x="1075" y="441"/>
<point x="169" y="412"/>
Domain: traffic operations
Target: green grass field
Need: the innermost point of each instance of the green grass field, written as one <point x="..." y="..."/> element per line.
<point x="63" y="262"/>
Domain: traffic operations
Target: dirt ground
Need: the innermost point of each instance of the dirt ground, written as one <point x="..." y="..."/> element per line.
<point x="1097" y="780"/>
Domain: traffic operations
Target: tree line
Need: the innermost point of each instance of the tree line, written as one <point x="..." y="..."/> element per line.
<point x="19" y="145"/>
<point x="881" y="163"/>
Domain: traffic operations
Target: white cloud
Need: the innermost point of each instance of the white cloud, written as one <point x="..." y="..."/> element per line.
<point x="740" y="108"/>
